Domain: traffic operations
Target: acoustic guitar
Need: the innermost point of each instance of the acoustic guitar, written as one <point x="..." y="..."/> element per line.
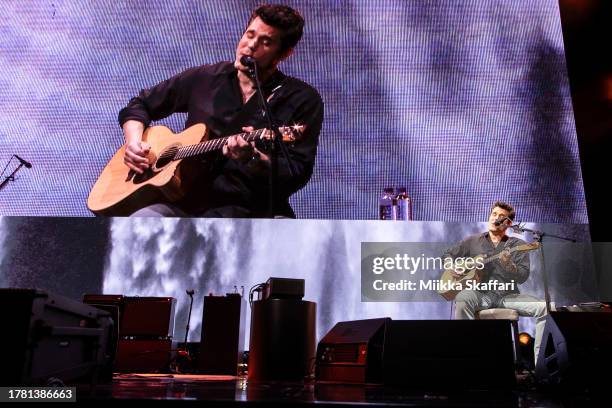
<point x="448" y="280"/>
<point x="119" y="191"/>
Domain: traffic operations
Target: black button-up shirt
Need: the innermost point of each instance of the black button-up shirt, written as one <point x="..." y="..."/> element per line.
<point x="481" y="244"/>
<point x="210" y="94"/>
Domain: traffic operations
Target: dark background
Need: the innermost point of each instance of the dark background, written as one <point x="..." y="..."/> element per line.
<point x="587" y="33"/>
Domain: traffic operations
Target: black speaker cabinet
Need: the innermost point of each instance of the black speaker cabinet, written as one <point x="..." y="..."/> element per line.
<point x="352" y="352"/>
<point x="47" y="335"/>
<point x="222" y="341"/>
<point x="449" y="354"/>
<point x="576" y="350"/>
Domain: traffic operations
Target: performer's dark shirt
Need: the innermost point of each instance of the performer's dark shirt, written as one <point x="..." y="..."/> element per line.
<point x="210" y="94"/>
<point x="481" y="244"/>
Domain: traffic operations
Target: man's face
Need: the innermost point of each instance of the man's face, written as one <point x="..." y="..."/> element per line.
<point x="498" y="213"/>
<point x="262" y="42"/>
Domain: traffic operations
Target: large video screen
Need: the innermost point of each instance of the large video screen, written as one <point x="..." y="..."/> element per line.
<point x="460" y="102"/>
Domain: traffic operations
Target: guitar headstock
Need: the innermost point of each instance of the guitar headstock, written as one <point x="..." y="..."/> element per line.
<point x="291" y="133"/>
<point x="527" y="247"/>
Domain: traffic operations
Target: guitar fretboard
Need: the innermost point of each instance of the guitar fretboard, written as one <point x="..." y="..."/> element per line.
<point x="499" y="254"/>
<point x="215" y="144"/>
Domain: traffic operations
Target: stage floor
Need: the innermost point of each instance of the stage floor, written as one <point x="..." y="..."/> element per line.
<point x="237" y="391"/>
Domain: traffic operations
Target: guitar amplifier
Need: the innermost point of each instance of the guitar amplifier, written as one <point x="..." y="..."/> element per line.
<point x="352" y="352"/>
<point x="143" y="355"/>
<point x="148" y="316"/>
<point x="144" y="336"/>
<point x="138" y="316"/>
<point x="283" y="288"/>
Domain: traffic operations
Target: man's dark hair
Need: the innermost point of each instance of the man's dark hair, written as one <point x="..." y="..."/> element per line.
<point x="284" y="18"/>
<point x="504" y="206"/>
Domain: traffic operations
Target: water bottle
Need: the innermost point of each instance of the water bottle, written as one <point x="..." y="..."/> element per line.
<point x="404" y="205"/>
<point x="387" y="205"/>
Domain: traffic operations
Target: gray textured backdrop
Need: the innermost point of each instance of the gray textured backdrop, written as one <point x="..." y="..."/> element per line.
<point x="151" y="257"/>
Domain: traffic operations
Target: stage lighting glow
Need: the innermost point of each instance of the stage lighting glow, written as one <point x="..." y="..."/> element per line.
<point x="525" y="339"/>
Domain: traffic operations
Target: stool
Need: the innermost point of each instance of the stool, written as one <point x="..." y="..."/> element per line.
<point x="504" y="314"/>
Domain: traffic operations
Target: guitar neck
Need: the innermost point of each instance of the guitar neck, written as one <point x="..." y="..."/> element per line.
<point x="498" y="255"/>
<point x="214" y="145"/>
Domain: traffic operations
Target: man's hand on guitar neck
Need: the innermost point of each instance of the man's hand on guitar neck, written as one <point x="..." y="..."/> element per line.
<point x="506" y="262"/>
<point x="240" y="150"/>
<point x="136" y="151"/>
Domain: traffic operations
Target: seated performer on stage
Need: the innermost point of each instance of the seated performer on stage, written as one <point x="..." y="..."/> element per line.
<point x="223" y="97"/>
<point x="498" y="287"/>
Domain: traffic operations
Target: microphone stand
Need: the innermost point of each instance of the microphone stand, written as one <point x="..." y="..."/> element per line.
<point x="10" y="177"/>
<point x="275" y="146"/>
<point x="538" y="236"/>
<point x="190" y="293"/>
<point x="181" y="362"/>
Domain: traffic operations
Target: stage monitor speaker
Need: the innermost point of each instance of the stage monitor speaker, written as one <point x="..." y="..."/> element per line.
<point x="222" y="341"/>
<point x="449" y="355"/>
<point x="352" y="352"/>
<point x="576" y="350"/>
<point x="49" y="336"/>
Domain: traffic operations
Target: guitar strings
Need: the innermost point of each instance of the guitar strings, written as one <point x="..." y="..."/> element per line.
<point x="211" y="145"/>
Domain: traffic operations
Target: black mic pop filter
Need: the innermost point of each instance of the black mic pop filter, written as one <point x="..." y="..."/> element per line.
<point x="24" y="162"/>
<point x="500" y="221"/>
<point x="247" y="61"/>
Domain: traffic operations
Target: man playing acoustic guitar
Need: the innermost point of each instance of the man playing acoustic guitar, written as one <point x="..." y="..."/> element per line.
<point x="223" y="97"/>
<point x="510" y="268"/>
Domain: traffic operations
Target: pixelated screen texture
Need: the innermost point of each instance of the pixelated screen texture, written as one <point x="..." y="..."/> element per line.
<point x="461" y="102"/>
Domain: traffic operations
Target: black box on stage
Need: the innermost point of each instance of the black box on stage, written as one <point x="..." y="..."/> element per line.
<point x="576" y="350"/>
<point x="352" y="352"/>
<point x="283" y="288"/>
<point x="50" y="336"/>
<point x="222" y="341"/>
<point x="449" y="354"/>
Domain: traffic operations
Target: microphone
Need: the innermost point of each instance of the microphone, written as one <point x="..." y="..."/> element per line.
<point x="500" y="221"/>
<point x="247" y="61"/>
<point x="24" y="162"/>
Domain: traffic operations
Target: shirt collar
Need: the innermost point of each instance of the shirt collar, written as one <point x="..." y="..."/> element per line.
<point x="275" y="80"/>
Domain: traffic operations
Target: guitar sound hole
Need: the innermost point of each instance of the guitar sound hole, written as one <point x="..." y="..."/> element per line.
<point x="141" y="178"/>
<point x="166" y="157"/>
